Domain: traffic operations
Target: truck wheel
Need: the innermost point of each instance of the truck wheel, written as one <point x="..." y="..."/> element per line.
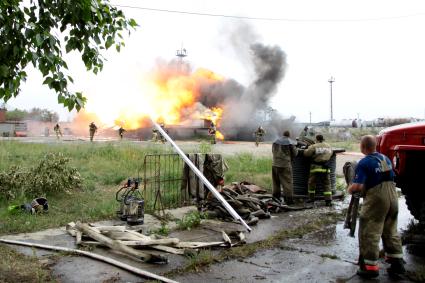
<point x="416" y="206"/>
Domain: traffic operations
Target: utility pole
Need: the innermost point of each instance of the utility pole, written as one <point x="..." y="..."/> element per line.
<point x="310" y="117"/>
<point x="331" y="81"/>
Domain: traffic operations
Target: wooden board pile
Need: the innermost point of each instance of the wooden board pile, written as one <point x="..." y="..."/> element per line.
<point x="136" y="245"/>
<point x="250" y="201"/>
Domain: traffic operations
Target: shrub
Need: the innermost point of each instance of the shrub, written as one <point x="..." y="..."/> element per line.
<point x="191" y="220"/>
<point x="11" y="186"/>
<point x="51" y="175"/>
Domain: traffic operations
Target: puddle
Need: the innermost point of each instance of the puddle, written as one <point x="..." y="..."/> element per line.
<point x="324" y="256"/>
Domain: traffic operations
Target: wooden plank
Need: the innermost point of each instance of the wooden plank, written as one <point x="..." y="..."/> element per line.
<point x="118" y="235"/>
<point x="110" y="228"/>
<point x="196" y="245"/>
<point x="78" y="237"/>
<point x="70" y="228"/>
<point x="170" y="250"/>
<point x="167" y="242"/>
<point x="116" y="245"/>
<point x="226" y="239"/>
<point x="131" y="243"/>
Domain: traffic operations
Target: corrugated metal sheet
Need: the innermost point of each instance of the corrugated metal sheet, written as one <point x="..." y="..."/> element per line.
<point x="301" y="172"/>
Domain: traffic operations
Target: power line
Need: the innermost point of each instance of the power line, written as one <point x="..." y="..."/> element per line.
<point x="268" y="19"/>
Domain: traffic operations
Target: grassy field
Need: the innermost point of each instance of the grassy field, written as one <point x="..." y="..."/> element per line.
<point x="15" y="267"/>
<point x="103" y="166"/>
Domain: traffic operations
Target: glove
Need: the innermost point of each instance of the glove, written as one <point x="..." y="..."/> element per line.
<point x="300" y="152"/>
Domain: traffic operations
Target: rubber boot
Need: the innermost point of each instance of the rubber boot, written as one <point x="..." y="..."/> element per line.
<point x="289" y="201"/>
<point x="367" y="271"/>
<point x="397" y="266"/>
<point x="311" y="198"/>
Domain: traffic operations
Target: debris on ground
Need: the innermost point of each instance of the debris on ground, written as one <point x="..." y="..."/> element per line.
<point x="250" y="201"/>
<point x="414" y="238"/>
<point x="37" y="205"/>
<point x="137" y="245"/>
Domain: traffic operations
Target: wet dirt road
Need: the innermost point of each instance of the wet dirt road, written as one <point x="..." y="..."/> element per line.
<point x="328" y="255"/>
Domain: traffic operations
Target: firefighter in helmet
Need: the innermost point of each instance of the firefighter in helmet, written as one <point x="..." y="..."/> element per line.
<point x="92" y="130"/>
<point x="57" y="130"/>
<point x="121" y="131"/>
<point x="259" y="134"/>
<point x="161" y="137"/>
<point x="154" y="135"/>
<point x="212" y="130"/>
<point x="320" y="154"/>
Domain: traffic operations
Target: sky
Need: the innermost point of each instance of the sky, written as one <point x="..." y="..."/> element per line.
<point x="375" y="50"/>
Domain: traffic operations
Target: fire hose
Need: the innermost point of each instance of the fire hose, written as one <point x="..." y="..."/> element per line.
<point x="204" y="180"/>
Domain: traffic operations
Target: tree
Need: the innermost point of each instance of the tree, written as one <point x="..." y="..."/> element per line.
<point x="35" y="114"/>
<point x="16" y="115"/>
<point x="29" y="33"/>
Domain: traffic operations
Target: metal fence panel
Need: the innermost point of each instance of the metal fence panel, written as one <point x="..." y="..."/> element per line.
<point x="164" y="182"/>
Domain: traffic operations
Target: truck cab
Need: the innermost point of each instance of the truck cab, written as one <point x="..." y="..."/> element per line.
<point x="405" y="146"/>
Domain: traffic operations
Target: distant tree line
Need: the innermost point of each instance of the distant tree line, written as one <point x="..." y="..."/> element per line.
<point x="35" y="114"/>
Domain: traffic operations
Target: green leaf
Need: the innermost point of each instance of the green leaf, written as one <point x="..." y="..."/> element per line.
<point x="39" y="39"/>
<point x="4" y="70"/>
<point x="61" y="99"/>
<point x="109" y="42"/>
<point x="97" y="39"/>
<point x="133" y="23"/>
<point x="48" y="81"/>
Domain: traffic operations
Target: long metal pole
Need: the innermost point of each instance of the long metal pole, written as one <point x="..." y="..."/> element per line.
<point x="204" y="180"/>
<point x="331" y="81"/>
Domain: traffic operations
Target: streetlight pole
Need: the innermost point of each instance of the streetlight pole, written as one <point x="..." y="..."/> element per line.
<point x="331" y="81"/>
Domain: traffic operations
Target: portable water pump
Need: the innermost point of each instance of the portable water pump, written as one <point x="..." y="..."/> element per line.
<point x="132" y="205"/>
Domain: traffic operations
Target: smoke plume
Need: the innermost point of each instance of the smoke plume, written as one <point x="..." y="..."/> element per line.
<point x="242" y="103"/>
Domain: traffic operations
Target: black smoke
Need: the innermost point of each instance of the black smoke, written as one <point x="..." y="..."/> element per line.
<point x="243" y="105"/>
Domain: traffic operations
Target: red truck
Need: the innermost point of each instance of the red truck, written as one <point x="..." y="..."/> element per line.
<point x="405" y="146"/>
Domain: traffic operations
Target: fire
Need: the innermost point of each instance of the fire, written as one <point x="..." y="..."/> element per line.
<point x="212" y="114"/>
<point x="219" y="135"/>
<point x="168" y="94"/>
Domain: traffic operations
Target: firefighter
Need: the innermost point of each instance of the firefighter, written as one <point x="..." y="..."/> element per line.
<point x="304" y="133"/>
<point x="154" y="135"/>
<point x="211" y="132"/>
<point x="92" y="130"/>
<point x="121" y="131"/>
<point x="259" y="133"/>
<point x="284" y="151"/>
<point x="161" y="137"/>
<point x="57" y="130"/>
<point x="320" y="154"/>
<point x="374" y="178"/>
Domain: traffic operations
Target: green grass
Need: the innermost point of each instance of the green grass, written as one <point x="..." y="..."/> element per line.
<point x="15" y="267"/>
<point x="246" y="167"/>
<point x="353" y="146"/>
<point x="106" y="164"/>
<point x="88" y="205"/>
<point x="191" y="220"/>
<point x="163" y="231"/>
<point x="103" y="167"/>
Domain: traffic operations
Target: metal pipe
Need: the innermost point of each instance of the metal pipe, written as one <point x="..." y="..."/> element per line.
<point x="204" y="180"/>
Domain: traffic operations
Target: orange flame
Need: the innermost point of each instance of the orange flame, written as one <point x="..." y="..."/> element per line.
<point x="219" y="135"/>
<point x="212" y="114"/>
<point x="169" y="95"/>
